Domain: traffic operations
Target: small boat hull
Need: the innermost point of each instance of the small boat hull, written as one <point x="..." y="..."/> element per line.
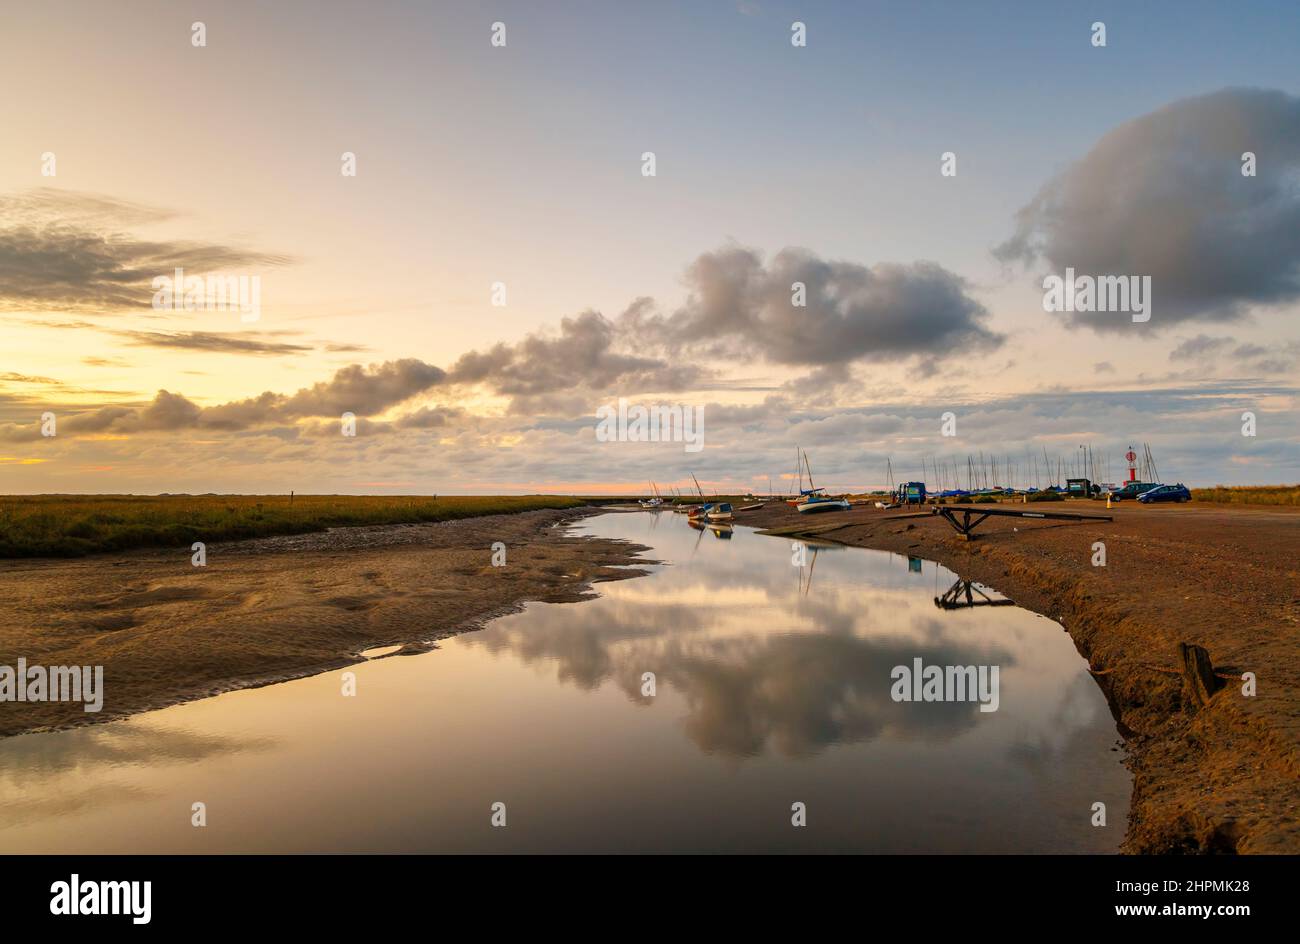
<point x="722" y="511"/>
<point x="816" y="507"/>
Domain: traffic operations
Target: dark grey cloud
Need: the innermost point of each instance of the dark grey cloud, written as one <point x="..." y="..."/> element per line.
<point x="740" y="309"/>
<point x="888" y="311"/>
<point x="365" y="390"/>
<point x="62" y="250"/>
<point x="589" y="351"/>
<point x="1163" y="196"/>
<point x="212" y="342"/>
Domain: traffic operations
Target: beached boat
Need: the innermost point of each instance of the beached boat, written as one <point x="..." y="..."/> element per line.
<point x="822" y="503"/>
<point x="698" y="512"/>
<point x="655" y="502"/>
<point x="720" y="512"/>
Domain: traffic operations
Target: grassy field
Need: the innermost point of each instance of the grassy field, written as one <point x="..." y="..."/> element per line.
<point x="73" y="525"/>
<point x="1250" y="494"/>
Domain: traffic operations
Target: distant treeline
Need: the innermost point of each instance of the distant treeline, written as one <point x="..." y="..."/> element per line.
<point x="74" y="525"/>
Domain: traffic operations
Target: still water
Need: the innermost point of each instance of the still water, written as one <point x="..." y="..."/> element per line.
<point x="772" y="687"/>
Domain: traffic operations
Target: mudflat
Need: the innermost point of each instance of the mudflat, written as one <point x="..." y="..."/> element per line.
<point x="271" y="609"/>
<point x="1221" y="777"/>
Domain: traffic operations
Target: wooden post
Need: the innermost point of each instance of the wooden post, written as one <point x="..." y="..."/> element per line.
<point x="1198" y="673"/>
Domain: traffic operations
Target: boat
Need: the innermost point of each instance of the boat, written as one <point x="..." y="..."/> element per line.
<point x="698" y="512"/>
<point x="720" y="512"/>
<point x="812" y="492"/>
<point x="814" y="499"/>
<point x="701" y="510"/>
<point x="655" y="502"/>
<point x="822" y="503"/>
<point x="752" y="507"/>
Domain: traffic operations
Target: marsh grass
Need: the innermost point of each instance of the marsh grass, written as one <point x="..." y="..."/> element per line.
<point x="1250" y="494"/>
<point x="74" y="525"/>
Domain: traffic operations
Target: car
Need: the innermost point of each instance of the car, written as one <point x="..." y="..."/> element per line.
<point x="1164" y="493"/>
<point x="1132" y="490"/>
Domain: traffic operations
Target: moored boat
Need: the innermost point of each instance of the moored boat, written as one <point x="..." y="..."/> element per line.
<point x="720" y="512"/>
<point x="815" y="505"/>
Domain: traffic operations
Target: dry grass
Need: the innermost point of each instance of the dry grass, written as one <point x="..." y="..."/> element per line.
<point x="1250" y="494"/>
<point x="73" y="525"/>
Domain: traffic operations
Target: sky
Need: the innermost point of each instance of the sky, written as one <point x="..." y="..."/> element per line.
<point x="501" y="265"/>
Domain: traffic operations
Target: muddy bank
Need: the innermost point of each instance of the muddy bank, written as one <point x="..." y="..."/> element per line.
<point x="277" y="608"/>
<point x="1222" y="778"/>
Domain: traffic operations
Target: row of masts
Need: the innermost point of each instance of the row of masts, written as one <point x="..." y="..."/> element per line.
<point x="979" y="471"/>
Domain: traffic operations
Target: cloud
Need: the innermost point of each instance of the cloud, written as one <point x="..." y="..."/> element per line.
<point x="852" y="312"/>
<point x="373" y="389"/>
<point x="1200" y="347"/>
<point x="1163" y="196"/>
<point x="740" y="310"/>
<point x="1259" y="359"/>
<point x="584" y="354"/>
<point x="212" y="342"/>
<point x="353" y="389"/>
<point x="62" y="250"/>
<point x="11" y="377"/>
<point x="429" y="418"/>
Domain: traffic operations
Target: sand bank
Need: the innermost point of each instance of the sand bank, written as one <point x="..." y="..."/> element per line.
<point x="277" y="608"/>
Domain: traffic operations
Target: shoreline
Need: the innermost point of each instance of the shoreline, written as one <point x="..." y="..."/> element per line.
<point x="1219" y="778"/>
<point x="284" y="607"/>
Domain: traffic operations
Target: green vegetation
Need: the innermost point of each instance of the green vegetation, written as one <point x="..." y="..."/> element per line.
<point x="73" y="525"/>
<point x="1046" y="496"/>
<point x="1250" y="494"/>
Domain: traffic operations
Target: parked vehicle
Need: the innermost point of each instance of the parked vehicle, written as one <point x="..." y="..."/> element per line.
<point x="910" y="493"/>
<point x="1166" y="493"/>
<point x="1133" y="490"/>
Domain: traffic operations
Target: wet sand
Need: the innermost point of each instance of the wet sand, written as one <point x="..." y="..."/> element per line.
<point x="277" y="608"/>
<point x="1221" y="778"/>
